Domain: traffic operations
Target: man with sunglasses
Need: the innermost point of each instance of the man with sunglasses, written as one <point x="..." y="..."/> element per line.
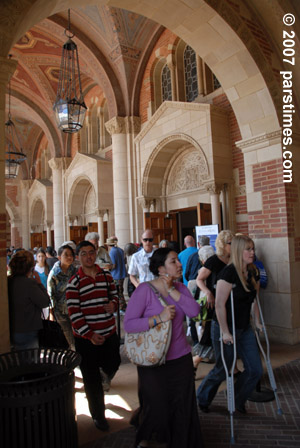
<point x="139" y="265"/>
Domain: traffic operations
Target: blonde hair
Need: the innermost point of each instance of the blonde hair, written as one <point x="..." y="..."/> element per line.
<point x="223" y="238"/>
<point x="238" y="245"/>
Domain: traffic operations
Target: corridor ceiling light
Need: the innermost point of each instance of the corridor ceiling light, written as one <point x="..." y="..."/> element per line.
<point x="13" y="156"/>
<point x="69" y="106"/>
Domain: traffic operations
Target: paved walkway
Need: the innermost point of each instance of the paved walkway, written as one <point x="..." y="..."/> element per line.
<point x="261" y="427"/>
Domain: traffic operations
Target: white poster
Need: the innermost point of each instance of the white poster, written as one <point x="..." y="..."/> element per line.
<point x="210" y="231"/>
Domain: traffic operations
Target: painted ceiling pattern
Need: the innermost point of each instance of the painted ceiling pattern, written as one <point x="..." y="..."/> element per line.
<point x="110" y="41"/>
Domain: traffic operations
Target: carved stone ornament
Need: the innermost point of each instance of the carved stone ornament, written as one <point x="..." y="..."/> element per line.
<point x="187" y="173"/>
<point x="146" y="203"/>
<point x="133" y="125"/>
<point x="116" y="125"/>
<point x="214" y="188"/>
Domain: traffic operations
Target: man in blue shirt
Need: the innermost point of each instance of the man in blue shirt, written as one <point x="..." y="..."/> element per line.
<point x="184" y="255"/>
<point x="118" y="269"/>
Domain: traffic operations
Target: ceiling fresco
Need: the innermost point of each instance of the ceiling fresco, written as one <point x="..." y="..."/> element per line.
<point x="113" y="46"/>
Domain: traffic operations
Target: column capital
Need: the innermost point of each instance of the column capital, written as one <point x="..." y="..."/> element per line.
<point x="7" y="69"/>
<point x="214" y="187"/>
<point x="59" y="163"/>
<point x="123" y="125"/>
<point x="146" y="202"/>
<point x="133" y="125"/>
<point x="116" y="125"/>
<point x="100" y="213"/>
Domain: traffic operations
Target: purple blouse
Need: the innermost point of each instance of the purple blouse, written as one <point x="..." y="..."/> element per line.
<point x="144" y="304"/>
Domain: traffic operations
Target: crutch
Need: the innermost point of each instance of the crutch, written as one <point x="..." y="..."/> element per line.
<point x="230" y="374"/>
<point x="267" y="357"/>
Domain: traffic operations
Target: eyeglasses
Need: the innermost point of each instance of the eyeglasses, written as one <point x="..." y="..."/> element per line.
<point x="87" y="254"/>
<point x="148" y="239"/>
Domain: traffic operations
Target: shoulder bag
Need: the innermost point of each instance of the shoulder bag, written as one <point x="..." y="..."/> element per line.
<point x="149" y="348"/>
<point x="52" y="335"/>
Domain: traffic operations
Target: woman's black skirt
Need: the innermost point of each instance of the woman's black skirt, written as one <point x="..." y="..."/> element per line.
<point x="168" y="412"/>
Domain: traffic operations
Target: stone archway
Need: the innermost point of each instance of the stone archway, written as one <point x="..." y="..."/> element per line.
<point x="82" y="200"/>
<point x="156" y="178"/>
<point x="37" y="215"/>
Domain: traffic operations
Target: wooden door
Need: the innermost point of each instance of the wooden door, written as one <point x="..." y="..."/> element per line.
<point x="163" y="226"/>
<point x="36" y="240"/>
<point x="204" y="214"/>
<point x="44" y="239"/>
<point x="77" y="233"/>
<point x="93" y="227"/>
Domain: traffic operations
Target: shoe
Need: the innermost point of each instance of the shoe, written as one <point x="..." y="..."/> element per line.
<point x="204" y="409"/>
<point x="101" y="424"/>
<point x="241" y="409"/>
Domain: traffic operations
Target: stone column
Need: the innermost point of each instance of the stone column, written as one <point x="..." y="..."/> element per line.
<point x="48" y="225"/>
<point x="123" y="131"/>
<point x="58" y="166"/>
<point x="100" y="215"/>
<point x="215" y="190"/>
<point x="7" y="68"/>
<point x="25" y="231"/>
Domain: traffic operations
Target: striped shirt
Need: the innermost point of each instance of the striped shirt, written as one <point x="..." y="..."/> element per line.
<point x="85" y="299"/>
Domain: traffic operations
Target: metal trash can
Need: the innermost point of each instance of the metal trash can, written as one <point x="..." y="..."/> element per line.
<point x="37" y="399"/>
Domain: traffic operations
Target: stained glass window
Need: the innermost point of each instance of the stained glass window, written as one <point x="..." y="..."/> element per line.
<point x="166" y="84"/>
<point x="190" y="71"/>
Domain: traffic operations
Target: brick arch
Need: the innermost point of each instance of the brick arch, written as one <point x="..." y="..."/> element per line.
<point x="163" y="158"/>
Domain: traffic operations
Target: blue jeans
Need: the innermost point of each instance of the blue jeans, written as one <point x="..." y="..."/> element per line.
<point x="247" y="349"/>
<point x="23" y="341"/>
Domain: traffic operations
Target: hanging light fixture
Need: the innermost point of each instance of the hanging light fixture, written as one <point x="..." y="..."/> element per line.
<point x="13" y="156"/>
<point x="69" y="106"/>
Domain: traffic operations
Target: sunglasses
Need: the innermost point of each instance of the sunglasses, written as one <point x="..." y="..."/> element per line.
<point x="148" y="239"/>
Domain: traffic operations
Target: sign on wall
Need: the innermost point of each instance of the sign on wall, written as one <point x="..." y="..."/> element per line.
<point x="210" y="231"/>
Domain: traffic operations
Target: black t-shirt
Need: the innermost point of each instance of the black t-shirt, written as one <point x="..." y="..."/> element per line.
<point x="215" y="265"/>
<point x="242" y="299"/>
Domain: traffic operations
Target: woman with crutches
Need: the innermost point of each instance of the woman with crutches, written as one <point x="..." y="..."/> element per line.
<point x="237" y="277"/>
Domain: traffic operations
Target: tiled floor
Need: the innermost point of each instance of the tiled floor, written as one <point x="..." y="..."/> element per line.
<point x="261" y="427"/>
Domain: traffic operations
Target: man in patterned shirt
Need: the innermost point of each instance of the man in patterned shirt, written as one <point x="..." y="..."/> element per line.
<point x="139" y="265"/>
<point x="92" y="299"/>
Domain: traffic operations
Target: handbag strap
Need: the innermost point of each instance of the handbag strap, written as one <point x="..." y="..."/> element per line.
<point x="158" y="294"/>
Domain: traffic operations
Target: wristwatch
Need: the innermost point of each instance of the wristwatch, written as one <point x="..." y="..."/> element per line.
<point x="170" y="289"/>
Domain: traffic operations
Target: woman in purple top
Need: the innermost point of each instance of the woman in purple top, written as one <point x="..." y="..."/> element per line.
<point x="168" y="409"/>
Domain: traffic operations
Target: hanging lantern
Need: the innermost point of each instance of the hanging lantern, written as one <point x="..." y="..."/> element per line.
<point x="69" y="106"/>
<point x="13" y="156"/>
